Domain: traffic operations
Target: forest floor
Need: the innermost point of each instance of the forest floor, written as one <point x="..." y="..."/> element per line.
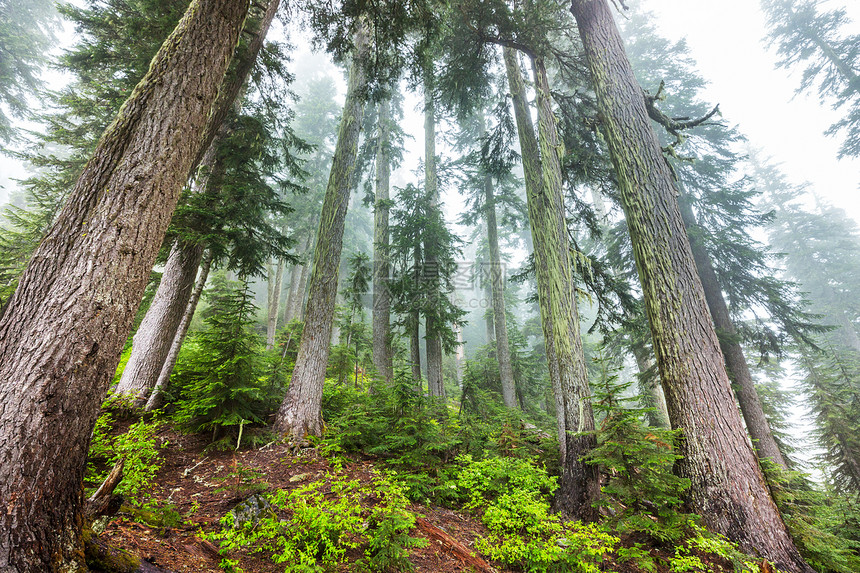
<point x="199" y="487"/>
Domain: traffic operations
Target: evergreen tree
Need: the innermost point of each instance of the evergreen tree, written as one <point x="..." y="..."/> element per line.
<point x="300" y="414"/>
<point x="25" y="34"/>
<point x="716" y="456"/>
<point x="220" y="384"/>
<point x="77" y="297"/>
<point x="824" y="44"/>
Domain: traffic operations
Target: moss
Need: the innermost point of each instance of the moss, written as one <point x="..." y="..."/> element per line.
<point x="101" y="557"/>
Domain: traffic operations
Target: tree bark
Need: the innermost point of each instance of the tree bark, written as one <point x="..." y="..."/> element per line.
<point x="559" y="317"/>
<point x="727" y="486"/>
<point x="382" y="360"/>
<point x="153" y="338"/>
<point x="432" y="339"/>
<point x="503" y="351"/>
<point x="736" y="364"/>
<point x="156" y="397"/>
<point x="63" y="331"/>
<point x="275" y="277"/>
<point x="300" y="414"/>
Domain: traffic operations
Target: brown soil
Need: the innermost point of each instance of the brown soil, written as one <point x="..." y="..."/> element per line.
<point x="192" y="480"/>
<point x="190" y="476"/>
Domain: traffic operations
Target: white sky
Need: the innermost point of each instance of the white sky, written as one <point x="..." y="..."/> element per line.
<point x="726" y="40"/>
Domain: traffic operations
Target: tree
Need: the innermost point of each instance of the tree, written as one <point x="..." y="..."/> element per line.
<point x="63" y="330"/>
<point x="559" y="316"/>
<point x="300" y="413"/>
<point x="823" y="43"/>
<point x="727" y="487"/>
<point x="25" y="34"/>
<point x="226" y="212"/>
<point x="382" y="358"/>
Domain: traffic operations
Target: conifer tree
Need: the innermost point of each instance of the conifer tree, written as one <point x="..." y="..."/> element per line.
<point x="25" y="34"/>
<point x="821" y="41"/>
<point x="300" y="413"/>
<point x="76" y="300"/>
<point x="727" y="487"/>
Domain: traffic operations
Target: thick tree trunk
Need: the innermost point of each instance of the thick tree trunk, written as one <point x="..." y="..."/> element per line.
<point x="433" y="340"/>
<point x="295" y="275"/>
<point x="736" y="364"/>
<point x="503" y="351"/>
<point x="156" y="398"/>
<point x="300" y="414"/>
<point x="275" y="277"/>
<point x="559" y="318"/>
<point x="63" y="331"/>
<point x="727" y="486"/>
<point x="381" y="257"/>
<point x="153" y="338"/>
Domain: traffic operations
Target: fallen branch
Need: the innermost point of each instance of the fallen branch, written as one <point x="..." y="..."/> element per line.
<point x="453" y="546"/>
<point x="103" y="501"/>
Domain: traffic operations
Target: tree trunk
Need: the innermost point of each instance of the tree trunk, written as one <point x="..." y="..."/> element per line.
<point x="64" y="328"/>
<point x="156" y="398"/>
<point x="415" y="349"/>
<point x="433" y="340"/>
<point x="381" y="258"/>
<point x="275" y="277"/>
<point x="295" y="275"/>
<point x="153" y="338"/>
<point x="503" y="351"/>
<point x="650" y="387"/>
<point x="299" y="414"/>
<point x="559" y="318"/>
<point x="302" y="293"/>
<point x="727" y="487"/>
<point x="579" y="484"/>
<point x="736" y="364"/>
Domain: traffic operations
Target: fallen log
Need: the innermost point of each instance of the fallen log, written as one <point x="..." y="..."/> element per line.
<point x="453" y="546"/>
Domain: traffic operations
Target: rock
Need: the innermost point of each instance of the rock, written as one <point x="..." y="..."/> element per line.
<point x="300" y="477"/>
<point x="250" y="510"/>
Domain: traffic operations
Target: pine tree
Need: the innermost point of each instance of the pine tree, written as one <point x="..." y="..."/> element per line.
<point x="77" y="297"/>
<point x="822" y="42"/>
<point x="221" y="383"/>
<point x="25" y="34"/>
<point x="716" y="456"/>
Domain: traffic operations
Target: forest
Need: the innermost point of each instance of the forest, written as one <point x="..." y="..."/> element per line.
<point x="418" y="285"/>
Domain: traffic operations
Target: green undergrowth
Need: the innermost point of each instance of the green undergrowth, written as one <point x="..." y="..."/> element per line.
<point x="320" y="526"/>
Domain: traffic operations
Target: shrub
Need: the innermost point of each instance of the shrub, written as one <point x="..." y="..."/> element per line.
<point x="327" y="519"/>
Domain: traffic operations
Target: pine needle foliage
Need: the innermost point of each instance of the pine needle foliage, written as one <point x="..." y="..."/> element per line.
<point x="641" y="492"/>
<point x="221" y="382"/>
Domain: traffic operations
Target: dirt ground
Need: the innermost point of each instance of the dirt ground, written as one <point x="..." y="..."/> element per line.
<point x="192" y="480"/>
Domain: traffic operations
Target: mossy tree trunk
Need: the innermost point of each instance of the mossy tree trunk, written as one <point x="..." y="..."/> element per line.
<point x="300" y="413"/>
<point x="500" y="323"/>
<point x="64" y="328"/>
<point x="381" y="246"/>
<point x="556" y="293"/>
<point x="727" y="486"/>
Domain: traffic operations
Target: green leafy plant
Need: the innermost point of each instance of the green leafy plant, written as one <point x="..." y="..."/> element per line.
<point x="512" y="496"/>
<point x="139" y="446"/>
<point x="325" y="520"/>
